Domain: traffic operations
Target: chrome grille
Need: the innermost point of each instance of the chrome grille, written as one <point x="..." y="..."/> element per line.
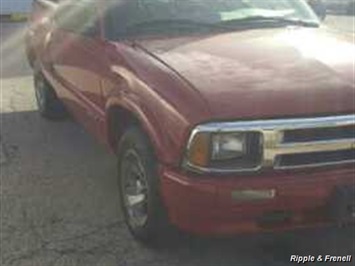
<point x="314" y="159"/>
<point x="311" y="142"/>
<point x="318" y="146"/>
<point x="294" y="143"/>
<point x="314" y="134"/>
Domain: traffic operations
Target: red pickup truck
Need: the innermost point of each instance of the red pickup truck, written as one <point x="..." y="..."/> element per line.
<point x="226" y="116"/>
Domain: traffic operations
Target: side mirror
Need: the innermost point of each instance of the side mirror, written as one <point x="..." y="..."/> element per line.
<point x="319" y="8"/>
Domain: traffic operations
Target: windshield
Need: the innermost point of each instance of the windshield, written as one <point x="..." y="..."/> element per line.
<point x="158" y="16"/>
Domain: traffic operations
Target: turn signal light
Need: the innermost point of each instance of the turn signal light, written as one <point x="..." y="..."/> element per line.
<point x="199" y="151"/>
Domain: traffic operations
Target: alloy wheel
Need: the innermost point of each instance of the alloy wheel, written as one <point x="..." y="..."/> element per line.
<point x="134" y="189"/>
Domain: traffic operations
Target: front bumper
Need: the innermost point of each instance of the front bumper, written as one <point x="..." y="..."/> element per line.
<point x="205" y="204"/>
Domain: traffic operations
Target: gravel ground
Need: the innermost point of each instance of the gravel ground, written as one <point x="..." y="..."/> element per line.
<point x="59" y="202"/>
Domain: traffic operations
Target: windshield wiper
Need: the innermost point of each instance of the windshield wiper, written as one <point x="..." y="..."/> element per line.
<point x="168" y="23"/>
<point x="262" y="19"/>
<point x="162" y="25"/>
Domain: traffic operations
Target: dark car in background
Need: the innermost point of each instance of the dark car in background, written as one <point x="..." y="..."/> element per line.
<point x="318" y="7"/>
<point x="342" y="6"/>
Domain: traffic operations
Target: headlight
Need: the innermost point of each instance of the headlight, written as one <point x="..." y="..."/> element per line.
<point x="210" y="150"/>
<point x="228" y="146"/>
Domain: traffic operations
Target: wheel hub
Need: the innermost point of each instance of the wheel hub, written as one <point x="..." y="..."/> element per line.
<point x="134" y="189"/>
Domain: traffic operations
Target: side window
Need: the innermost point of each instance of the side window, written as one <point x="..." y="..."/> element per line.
<point x="78" y="16"/>
<point x="116" y="16"/>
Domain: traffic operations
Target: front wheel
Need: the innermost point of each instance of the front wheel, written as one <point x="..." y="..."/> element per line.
<point x="139" y="186"/>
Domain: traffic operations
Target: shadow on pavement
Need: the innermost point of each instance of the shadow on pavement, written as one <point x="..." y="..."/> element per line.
<point x="59" y="201"/>
<point x="65" y="184"/>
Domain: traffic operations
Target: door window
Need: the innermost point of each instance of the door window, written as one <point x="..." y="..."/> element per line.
<point x="78" y="16"/>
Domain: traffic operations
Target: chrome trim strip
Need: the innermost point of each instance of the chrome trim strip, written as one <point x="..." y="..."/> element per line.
<point x="207" y="170"/>
<point x="279" y="124"/>
<point x="48" y="3"/>
<point x="299" y="166"/>
<point x="272" y="136"/>
<point x="315" y="146"/>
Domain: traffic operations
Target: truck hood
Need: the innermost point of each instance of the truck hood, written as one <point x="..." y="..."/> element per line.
<point x="264" y="73"/>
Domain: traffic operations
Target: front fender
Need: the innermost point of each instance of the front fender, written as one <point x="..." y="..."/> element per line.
<point x="164" y="139"/>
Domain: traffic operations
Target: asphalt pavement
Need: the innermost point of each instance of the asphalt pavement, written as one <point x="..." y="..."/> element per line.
<point x="59" y="199"/>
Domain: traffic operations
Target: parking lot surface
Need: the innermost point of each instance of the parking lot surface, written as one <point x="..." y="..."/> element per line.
<point x="59" y="200"/>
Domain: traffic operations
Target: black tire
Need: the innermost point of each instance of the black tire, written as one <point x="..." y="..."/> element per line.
<point x="136" y="161"/>
<point x="49" y="106"/>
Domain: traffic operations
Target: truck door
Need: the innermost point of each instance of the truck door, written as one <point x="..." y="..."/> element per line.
<point x="76" y="51"/>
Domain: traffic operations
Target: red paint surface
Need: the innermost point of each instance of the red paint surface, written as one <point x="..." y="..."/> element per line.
<point x="172" y="84"/>
<point x="204" y="205"/>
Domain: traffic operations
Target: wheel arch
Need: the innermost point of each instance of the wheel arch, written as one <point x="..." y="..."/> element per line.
<point x="121" y="116"/>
